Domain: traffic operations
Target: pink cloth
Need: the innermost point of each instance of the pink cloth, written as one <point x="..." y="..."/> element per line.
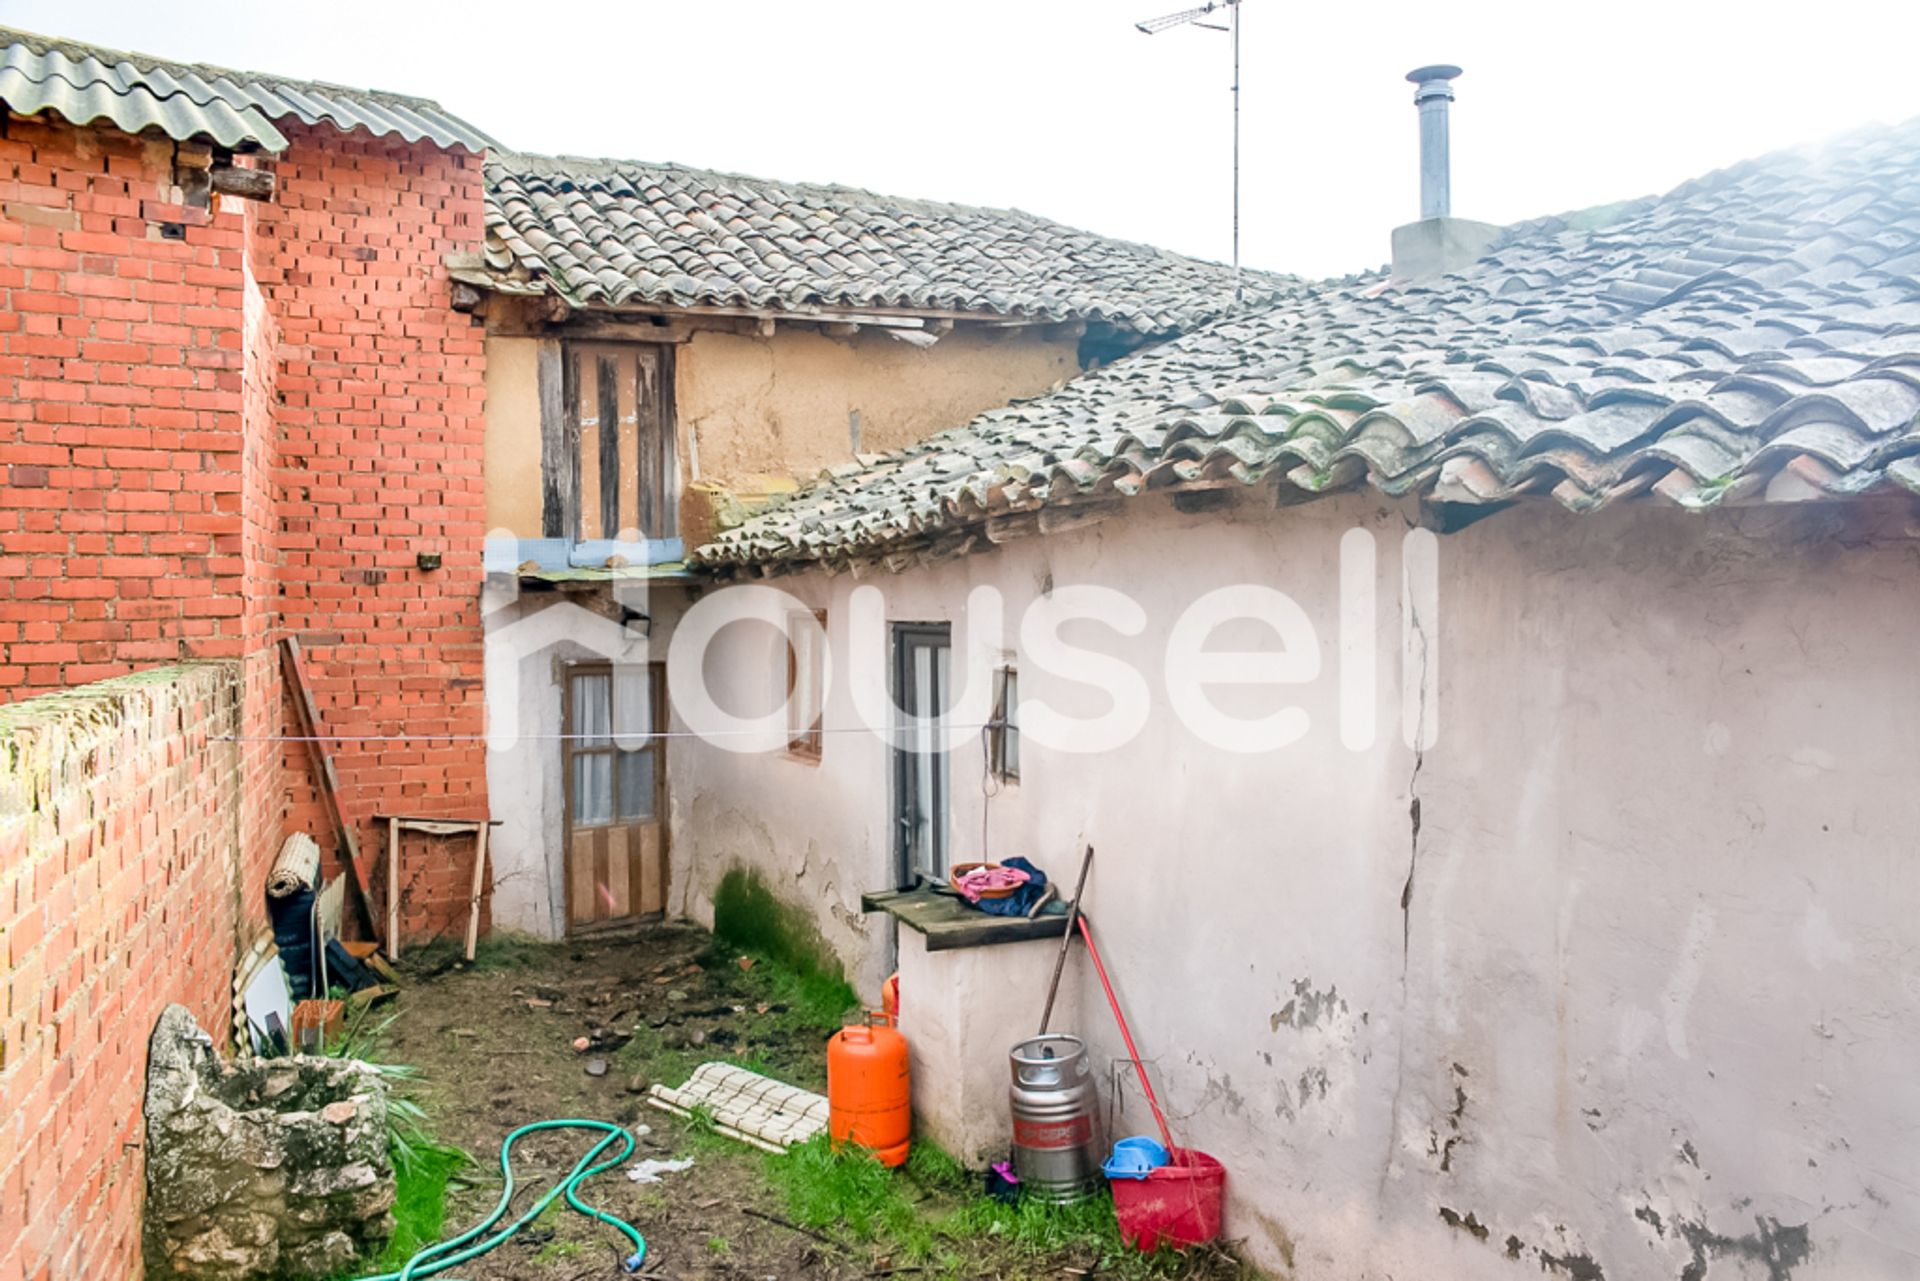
<point x="981" y="879"/>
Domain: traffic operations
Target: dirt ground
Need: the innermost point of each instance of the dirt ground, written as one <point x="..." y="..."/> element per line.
<point x="494" y="1049"/>
<point x="493" y="1046"/>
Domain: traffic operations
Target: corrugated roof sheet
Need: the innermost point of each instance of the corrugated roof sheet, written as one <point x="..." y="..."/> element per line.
<point x="1754" y="333"/>
<point x="133" y="91"/>
<point x="622" y="233"/>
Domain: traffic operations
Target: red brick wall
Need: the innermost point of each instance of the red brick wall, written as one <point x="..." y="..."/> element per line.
<point x="119" y="398"/>
<point x="205" y="444"/>
<point x="265" y="713"/>
<point x="381" y="427"/>
<point x="118" y="857"/>
<point x="208" y="443"/>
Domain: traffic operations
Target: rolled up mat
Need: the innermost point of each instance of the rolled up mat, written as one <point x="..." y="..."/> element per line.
<point x="297" y="868"/>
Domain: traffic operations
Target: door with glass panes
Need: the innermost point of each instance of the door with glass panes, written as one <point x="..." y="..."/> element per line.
<point x="615" y="769"/>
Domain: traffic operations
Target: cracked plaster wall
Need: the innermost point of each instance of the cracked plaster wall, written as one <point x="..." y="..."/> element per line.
<point x="1646" y="1011"/>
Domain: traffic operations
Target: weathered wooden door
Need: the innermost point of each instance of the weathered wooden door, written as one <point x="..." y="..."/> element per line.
<point x="616" y="786"/>
<point x="609" y="464"/>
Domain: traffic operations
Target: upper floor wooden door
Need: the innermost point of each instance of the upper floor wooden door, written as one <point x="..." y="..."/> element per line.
<point x="616" y="787"/>
<point x="608" y="461"/>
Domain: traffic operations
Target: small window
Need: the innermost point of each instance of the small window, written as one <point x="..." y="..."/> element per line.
<point x="806" y="678"/>
<point x="611" y="743"/>
<point x="1003" y="731"/>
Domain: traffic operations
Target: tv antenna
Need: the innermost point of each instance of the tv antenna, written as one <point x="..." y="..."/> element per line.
<point x="1197" y="18"/>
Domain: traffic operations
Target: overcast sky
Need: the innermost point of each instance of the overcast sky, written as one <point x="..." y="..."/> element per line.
<point x="1062" y="108"/>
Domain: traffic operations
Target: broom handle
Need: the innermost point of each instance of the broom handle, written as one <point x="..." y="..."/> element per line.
<point x="1066" y="941"/>
<point x="1165" y="1135"/>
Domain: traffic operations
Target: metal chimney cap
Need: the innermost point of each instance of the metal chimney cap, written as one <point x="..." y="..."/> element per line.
<point x="1433" y="82"/>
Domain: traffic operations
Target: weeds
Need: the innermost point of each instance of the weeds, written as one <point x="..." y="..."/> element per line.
<point x="931" y="1214"/>
<point x="783" y="1035"/>
<point x="423" y="1168"/>
<point x="421" y="1182"/>
<point x="501" y="950"/>
<point x="556" y="1250"/>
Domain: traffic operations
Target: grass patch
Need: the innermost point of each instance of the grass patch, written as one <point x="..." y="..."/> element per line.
<point x="500" y="950"/>
<point x="933" y="1214"/>
<point x="782" y="1031"/>
<point x="813" y="1002"/>
<point x="848" y="1190"/>
<point x="751" y="917"/>
<point x="424" y="1169"/>
<point x="420" y="1202"/>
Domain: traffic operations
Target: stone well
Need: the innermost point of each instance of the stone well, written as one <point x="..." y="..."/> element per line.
<point x="260" y="1168"/>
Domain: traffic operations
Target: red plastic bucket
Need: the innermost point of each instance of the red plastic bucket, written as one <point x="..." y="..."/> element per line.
<point x="1177" y="1205"/>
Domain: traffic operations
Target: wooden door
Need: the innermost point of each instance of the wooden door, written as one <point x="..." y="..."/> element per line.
<point x="614" y="765"/>
<point x="612" y="471"/>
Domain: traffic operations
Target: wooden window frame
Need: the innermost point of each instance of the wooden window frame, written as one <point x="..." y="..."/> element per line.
<point x="807" y="745"/>
<point x="571" y="747"/>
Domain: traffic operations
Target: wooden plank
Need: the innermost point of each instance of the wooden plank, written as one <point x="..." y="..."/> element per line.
<point x="628" y="386"/>
<point x="393" y="887"/>
<point x="602" y="907"/>
<point x="659" y="465"/>
<point x="948" y="923"/>
<point x="586" y="419"/>
<point x="580" y="876"/>
<point x="438" y="826"/>
<point x="309" y="717"/>
<point x="653" y="870"/>
<point x="651" y="447"/>
<point x="607" y="397"/>
<point x="619" y="872"/>
<point x="558" y="457"/>
<point x="479" y="879"/>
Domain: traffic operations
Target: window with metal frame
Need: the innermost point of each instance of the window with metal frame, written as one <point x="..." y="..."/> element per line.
<point x="1003" y="727"/>
<point x="806" y="683"/>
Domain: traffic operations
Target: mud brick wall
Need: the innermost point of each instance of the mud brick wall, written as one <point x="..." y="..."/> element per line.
<point x="120" y="463"/>
<point x="118" y="877"/>
<point x="380" y="414"/>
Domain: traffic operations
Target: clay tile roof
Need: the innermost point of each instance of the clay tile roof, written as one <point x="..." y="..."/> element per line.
<point x="620" y="233"/>
<point x="133" y="91"/>
<point x="1755" y="333"/>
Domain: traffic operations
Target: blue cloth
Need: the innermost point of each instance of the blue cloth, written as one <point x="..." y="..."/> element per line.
<point x="1017" y="903"/>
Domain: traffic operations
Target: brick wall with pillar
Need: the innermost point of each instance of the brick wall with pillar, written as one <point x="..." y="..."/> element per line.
<point x="381" y="400"/>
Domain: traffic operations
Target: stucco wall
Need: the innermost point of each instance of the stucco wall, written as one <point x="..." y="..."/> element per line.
<point x="513" y="435"/>
<point x="749" y="407"/>
<point x="529" y="640"/>
<point x="782" y="405"/>
<point x="1646" y="1010"/>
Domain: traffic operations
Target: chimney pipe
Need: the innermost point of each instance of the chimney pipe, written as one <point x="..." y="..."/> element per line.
<point x="1431" y="94"/>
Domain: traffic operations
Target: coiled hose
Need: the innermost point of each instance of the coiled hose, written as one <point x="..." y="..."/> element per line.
<point x="447" y="1254"/>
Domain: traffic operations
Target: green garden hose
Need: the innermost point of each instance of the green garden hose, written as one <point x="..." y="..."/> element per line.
<point x="447" y="1254"/>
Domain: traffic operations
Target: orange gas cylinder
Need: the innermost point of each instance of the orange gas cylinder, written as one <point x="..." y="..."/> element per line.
<point x="868" y="1101"/>
<point x="890" y="998"/>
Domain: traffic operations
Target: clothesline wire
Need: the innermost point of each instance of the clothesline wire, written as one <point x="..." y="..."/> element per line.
<point x="642" y="735"/>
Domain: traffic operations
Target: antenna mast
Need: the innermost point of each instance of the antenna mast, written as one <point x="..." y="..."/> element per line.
<point x="1166" y="22"/>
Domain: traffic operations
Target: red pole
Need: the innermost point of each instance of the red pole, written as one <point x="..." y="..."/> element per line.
<point x="1166" y="1136"/>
